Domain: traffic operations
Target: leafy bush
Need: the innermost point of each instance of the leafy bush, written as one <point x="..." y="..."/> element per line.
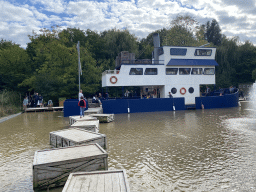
<point x="10" y="103"/>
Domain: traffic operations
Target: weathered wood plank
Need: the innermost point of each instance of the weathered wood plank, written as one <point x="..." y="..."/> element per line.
<point x="87" y="125"/>
<point x="107" y="181"/>
<point x="52" y="167"/>
<point x="93" y="111"/>
<point x="76" y="136"/>
<point x="104" y="118"/>
<point x="101" y="183"/>
<point x="116" y="183"/>
<point x="73" y="119"/>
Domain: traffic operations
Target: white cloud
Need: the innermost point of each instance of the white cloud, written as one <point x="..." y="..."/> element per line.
<point x="9" y="12"/>
<point x="141" y="17"/>
<point x="55" y="6"/>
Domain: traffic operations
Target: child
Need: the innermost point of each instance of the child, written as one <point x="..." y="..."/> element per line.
<point x="82" y="105"/>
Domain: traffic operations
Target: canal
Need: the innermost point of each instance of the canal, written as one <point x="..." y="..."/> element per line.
<point x="195" y="150"/>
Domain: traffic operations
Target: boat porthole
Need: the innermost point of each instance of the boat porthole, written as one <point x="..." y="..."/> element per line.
<point x="191" y="90"/>
<point x="113" y="79"/>
<point x="174" y="90"/>
<point x="183" y="91"/>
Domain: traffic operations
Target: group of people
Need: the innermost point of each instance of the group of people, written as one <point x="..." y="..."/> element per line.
<point x="33" y="101"/>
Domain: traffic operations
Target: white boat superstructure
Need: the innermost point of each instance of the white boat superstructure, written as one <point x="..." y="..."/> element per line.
<point x="179" y="70"/>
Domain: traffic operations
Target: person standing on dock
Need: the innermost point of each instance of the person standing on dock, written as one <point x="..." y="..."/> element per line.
<point x="35" y="99"/>
<point x="80" y="95"/>
<point x="82" y="105"/>
<point x="40" y="100"/>
<point x="25" y="103"/>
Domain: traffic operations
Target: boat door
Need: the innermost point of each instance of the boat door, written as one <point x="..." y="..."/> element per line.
<point x="190" y="98"/>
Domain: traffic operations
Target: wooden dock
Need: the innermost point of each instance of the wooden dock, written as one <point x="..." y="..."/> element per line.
<point x="51" y="167"/>
<point x="104" y="118"/>
<point x="43" y="109"/>
<point x="73" y="119"/>
<point x="76" y="136"/>
<point x="98" y="181"/>
<point x="93" y="126"/>
<point x="98" y="110"/>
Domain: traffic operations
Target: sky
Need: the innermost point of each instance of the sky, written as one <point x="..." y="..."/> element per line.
<point x="19" y="18"/>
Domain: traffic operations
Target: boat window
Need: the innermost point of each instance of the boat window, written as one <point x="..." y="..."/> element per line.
<point x="197" y="71"/>
<point x="174" y="90"/>
<point x="171" y="71"/>
<point x="184" y="71"/>
<point x="178" y="51"/>
<point x="209" y="71"/>
<point x="150" y="71"/>
<point x="191" y="90"/>
<point x="136" y="71"/>
<point x="203" y="52"/>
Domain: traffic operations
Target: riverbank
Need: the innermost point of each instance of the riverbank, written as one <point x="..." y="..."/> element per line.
<point x="10" y="103"/>
<point x="2" y="119"/>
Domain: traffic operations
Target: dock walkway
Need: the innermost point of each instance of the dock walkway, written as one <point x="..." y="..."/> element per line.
<point x="43" y="109"/>
<point x="2" y="119"/>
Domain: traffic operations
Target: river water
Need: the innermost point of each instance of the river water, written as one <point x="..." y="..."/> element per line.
<point x="195" y="150"/>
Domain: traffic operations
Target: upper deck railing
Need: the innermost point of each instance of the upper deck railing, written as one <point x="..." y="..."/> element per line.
<point x="142" y="61"/>
<point x="111" y="72"/>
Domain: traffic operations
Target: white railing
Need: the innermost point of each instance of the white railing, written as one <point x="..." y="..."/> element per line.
<point x="111" y="72"/>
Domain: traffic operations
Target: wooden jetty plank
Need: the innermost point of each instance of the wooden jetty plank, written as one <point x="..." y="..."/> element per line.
<point x="106" y="181"/>
<point x="98" y="110"/>
<point x="115" y="182"/>
<point x="123" y="182"/>
<point x="93" y="183"/>
<point x="101" y="183"/>
<point x="41" y="109"/>
<point x="104" y="118"/>
<point x="73" y="119"/>
<point x="52" y="167"/>
<point x="76" y="136"/>
<point x="88" y="125"/>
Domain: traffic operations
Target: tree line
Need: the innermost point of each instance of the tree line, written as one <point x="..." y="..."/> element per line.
<point x="49" y="64"/>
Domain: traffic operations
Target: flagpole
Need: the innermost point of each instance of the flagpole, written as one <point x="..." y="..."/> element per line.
<point x="79" y="64"/>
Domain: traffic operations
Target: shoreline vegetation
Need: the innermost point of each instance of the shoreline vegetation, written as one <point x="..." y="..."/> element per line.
<point x="10" y="103"/>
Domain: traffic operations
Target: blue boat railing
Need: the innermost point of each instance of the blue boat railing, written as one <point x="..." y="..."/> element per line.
<point x="220" y="92"/>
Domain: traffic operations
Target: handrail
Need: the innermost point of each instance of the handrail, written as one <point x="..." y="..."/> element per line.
<point x="143" y="61"/>
<point x="111" y="72"/>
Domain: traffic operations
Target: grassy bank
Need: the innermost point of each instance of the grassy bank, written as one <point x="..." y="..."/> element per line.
<point x="10" y="103"/>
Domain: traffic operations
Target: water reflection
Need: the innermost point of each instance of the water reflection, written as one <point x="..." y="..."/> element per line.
<point x="199" y="150"/>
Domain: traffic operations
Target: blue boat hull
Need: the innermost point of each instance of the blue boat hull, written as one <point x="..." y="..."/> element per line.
<point x="117" y="106"/>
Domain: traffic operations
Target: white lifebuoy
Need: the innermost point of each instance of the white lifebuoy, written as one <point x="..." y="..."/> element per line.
<point x="113" y="79"/>
<point x="183" y="91"/>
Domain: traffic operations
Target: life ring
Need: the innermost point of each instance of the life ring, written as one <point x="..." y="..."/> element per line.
<point x="113" y="79"/>
<point x="183" y="91"/>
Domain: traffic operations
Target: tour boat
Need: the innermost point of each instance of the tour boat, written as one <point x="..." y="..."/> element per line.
<point x="175" y="71"/>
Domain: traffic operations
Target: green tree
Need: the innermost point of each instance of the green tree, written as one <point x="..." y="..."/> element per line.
<point x="14" y="65"/>
<point x="246" y="63"/>
<point x="213" y="32"/>
<point x="117" y="41"/>
<point x="227" y="58"/>
<point x="56" y="68"/>
<point x="183" y="32"/>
